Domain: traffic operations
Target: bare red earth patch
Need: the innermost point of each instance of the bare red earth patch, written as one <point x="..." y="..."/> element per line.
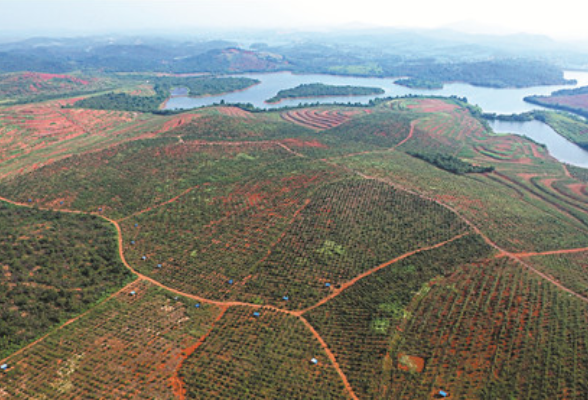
<point x="410" y="363"/>
<point x="432" y="105"/>
<point x="304" y="143"/>
<point x="234" y="112"/>
<point x="321" y="119"/>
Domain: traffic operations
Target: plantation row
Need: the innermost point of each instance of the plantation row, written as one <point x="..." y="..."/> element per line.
<point x="512" y="219"/>
<point x="128" y="178"/>
<point x="128" y="347"/>
<point x="297" y="235"/>
<point x="578" y="173"/>
<point x="569" y="269"/>
<point x="53" y="266"/>
<point x="493" y="331"/>
<point x="215" y="234"/>
<point x="223" y="127"/>
<point x="319" y="119"/>
<point x="270" y="360"/>
<point x="35" y="87"/>
<point x="540" y="188"/>
<point x="34" y="135"/>
<point x="360" y="323"/>
<point x="572" y="189"/>
<point x="349" y="227"/>
<point x="377" y="131"/>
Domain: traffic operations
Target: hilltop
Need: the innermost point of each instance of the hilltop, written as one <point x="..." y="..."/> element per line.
<point x="324" y="252"/>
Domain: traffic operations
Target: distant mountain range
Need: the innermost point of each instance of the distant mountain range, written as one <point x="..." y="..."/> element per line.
<point x="441" y="55"/>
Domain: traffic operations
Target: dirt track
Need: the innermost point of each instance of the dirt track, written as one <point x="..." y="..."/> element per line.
<point x="178" y="385"/>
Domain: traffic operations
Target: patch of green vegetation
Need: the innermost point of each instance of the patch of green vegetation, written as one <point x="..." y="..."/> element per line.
<point x="122" y="341"/>
<point x="320" y="89"/>
<point x="243" y="156"/>
<point x="367" y="69"/>
<point x="512" y="222"/>
<point x="359" y="323"/>
<point x="578" y="173"/>
<point x="331" y="249"/>
<point x="222" y="127"/>
<point x="274" y="355"/>
<point x="416" y="83"/>
<point x="451" y="163"/>
<point x="380" y="326"/>
<point x="569" y="126"/>
<point x="199" y="86"/>
<point x="53" y="267"/>
<point x="133" y="176"/>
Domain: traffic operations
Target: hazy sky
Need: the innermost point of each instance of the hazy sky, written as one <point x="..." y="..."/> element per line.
<point x="562" y="18"/>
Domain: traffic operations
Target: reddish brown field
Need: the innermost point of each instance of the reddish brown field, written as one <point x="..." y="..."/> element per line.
<point x="410" y="363"/>
<point x="432" y="105"/>
<point x="487" y="323"/>
<point x="177" y="121"/>
<point x="41" y="77"/>
<point x="576" y="101"/>
<point x="320" y="119"/>
<point x="33" y="135"/>
<point x="304" y="143"/>
<point x="131" y="346"/>
<point x="234" y="112"/>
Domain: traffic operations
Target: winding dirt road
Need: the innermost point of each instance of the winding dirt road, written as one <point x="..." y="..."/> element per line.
<point x="178" y="385"/>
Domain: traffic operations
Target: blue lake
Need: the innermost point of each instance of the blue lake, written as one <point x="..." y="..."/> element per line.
<point x="500" y="101"/>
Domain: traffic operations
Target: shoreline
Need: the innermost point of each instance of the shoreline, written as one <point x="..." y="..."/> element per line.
<point x="163" y="105"/>
<point x="322" y="96"/>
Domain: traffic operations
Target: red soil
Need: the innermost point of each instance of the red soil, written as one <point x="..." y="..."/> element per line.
<point x="410" y="363"/>
<point x="320" y="119"/>
<point x="304" y="143"/>
<point x="580" y="189"/>
<point x="502" y="252"/>
<point x="177" y="121"/>
<point x="432" y="106"/>
<point x="41" y="77"/>
<point x="176" y="381"/>
<point x="234" y="112"/>
<point x="331" y="357"/>
<point x="69" y="322"/>
<point x="412" y="124"/>
<point x="546" y="253"/>
<point x="346" y="285"/>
